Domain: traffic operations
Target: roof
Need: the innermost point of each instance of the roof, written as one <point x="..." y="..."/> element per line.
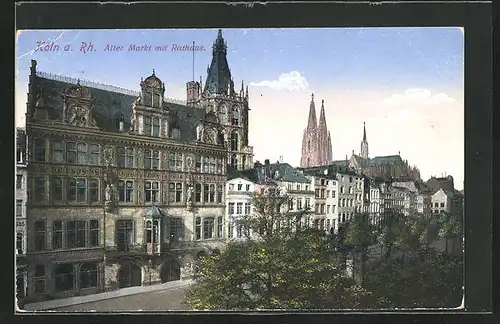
<point x="386" y="160"/>
<point x="434" y="184"/>
<point x="273" y="173"/>
<point x="111" y="106"/>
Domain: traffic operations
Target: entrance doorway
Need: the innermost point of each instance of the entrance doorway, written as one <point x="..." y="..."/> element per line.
<point x="170" y="271"/>
<point x="129" y="275"/>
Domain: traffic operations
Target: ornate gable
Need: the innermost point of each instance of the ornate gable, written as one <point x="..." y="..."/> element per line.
<point x="77" y="109"/>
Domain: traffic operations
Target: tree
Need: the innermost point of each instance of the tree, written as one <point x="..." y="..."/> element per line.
<point x="433" y="279"/>
<point x="281" y="266"/>
<point x="359" y="235"/>
<point x="450" y="226"/>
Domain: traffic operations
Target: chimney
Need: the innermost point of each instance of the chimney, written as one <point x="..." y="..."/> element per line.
<point x="266" y="162"/>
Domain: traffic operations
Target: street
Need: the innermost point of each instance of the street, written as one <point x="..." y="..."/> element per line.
<point x="168" y="299"/>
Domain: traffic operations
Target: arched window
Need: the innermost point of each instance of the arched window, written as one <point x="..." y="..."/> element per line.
<point x="156" y="231"/>
<point x="243" y="161"/>
<point x="88" y="275"/>
<point x="234" y="141"/>
<point x="64" y="275"/>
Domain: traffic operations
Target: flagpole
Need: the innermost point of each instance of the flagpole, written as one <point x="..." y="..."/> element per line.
<point x="193" y="61"/>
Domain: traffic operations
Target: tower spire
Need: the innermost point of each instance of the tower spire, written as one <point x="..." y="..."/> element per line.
<point x="364" y="144"/>
<point x="312" y="122"/>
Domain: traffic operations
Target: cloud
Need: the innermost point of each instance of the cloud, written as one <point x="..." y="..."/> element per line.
<point x="421" y="96"/>
<point x="286" y="81"/>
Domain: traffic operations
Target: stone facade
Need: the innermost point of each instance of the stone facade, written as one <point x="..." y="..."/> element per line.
<point x="21" y="214"/>
<point x="123" y="190"/>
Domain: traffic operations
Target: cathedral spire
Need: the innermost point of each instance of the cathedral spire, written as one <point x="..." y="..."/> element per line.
<point x="312" y="122"/>
<point x="364" y="132"/>
<point x="322" y="118"/>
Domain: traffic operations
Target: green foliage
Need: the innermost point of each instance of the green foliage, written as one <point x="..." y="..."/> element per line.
<point x="289" y="268"/>
<point x="449" y="225"/>
<point x="431" y="280"/>
<point x="359" y="233"/>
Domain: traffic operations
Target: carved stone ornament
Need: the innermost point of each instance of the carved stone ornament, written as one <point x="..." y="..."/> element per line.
<point x="109" y="155"/>
<point x="78" y="115"/>
<point x="209" y="137"/>
<point x="199" y="132"/>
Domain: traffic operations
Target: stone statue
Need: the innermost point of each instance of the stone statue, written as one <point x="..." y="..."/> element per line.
<point x="190" y="194"/>
<point x="107" y="193"/>
<point x="113" y="193"/>
<point x="199" y="132"/>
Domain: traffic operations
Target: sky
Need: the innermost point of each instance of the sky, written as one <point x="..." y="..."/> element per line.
<point x="407" y="84"/>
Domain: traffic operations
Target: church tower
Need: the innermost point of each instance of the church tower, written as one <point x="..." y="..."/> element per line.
<point x="364" y="144"/>
<point x="230" y="107"/>
<point x="323" y="139"/>
<point x="309" y="140"/>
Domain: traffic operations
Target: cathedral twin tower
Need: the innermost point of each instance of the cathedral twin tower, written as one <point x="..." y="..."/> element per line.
<point x="316" y="142"/>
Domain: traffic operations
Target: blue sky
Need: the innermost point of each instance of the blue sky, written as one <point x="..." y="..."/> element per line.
<point x="357" y="71"/>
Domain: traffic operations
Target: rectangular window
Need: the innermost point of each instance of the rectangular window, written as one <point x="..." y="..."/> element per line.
<point x="206" y="164"/>
<point x="40" y="236"/>
<point x="124" y="234"/>
<point x="148" y="125"/>
<point x="75" y="234"/>
<point x="156" y="126"/>
<point x="175" y="161"/>
<point x="40" y="194"/>
<point x="95" y="154"/>
<point x="239" y="186"/>
<point x="151" y="159"/>
<point x="212" y="165"/>
<point x="198" y="164"/>
<point x="19" y="208"/>
<point x="71" y="190"/>
<point x="247" y="187"/>
<point x="212" y="194"/>
<point x="94" y="190"/>
<point x="328" y="209"/>
<point x="308" y="202"/>
<point x="57" y="152"/>
<point x="220" y="193"/>
<point x="231" y="186"/>
<point x="81" y="190"/>
<point x="198" y="228"/>
<point x="316" y="193"/>
<point x="57" y="189"/>
<point x="19" y="243"/>
<point x="19" y="181"/>
<point x="442" y="204"/>
<point x="220" y="162"/>
<point x="71" y="156"/>
<point x="208" y="228"/>
<point x="290" y="204"/>
<point x="176" y="229"/>
<point x="94" y="232"/>
<point x="239" y="208"/>
<point x="39" y="149"/>
<point x="152" y="191"/>
<point x="230" y="231"/>
<point x="125" y="191"/>
<point x="231" y="208"/>
<point x="197" y="192"/>
<point x="82" y="153"/>
<point x="40" y="279"/>
<point x="219" y="226"/>
<point x="125" y="157"/>
<point x="175" y="192"/>
<point x="57" y="235"/>
<point x="206" y="192"/>
<point x="248" y="207"/>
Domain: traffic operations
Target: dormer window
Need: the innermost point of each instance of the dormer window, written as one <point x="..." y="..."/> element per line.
<point x="152" y="126"/>
<point x="276" y="174"/>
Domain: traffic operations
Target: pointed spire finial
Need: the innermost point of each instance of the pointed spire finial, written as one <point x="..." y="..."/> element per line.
<point x="153" y="71"/>
<point x="322" y="101"/>
<point x="312" y="96"/>
<point x="364" y="132"/>
<point x="219" y="34"/>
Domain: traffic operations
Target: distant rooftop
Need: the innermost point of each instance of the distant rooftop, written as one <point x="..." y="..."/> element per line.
<point x="100" y="86"/>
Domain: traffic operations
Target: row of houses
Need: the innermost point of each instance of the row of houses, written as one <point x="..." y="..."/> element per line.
<point x="333" y="194"/>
